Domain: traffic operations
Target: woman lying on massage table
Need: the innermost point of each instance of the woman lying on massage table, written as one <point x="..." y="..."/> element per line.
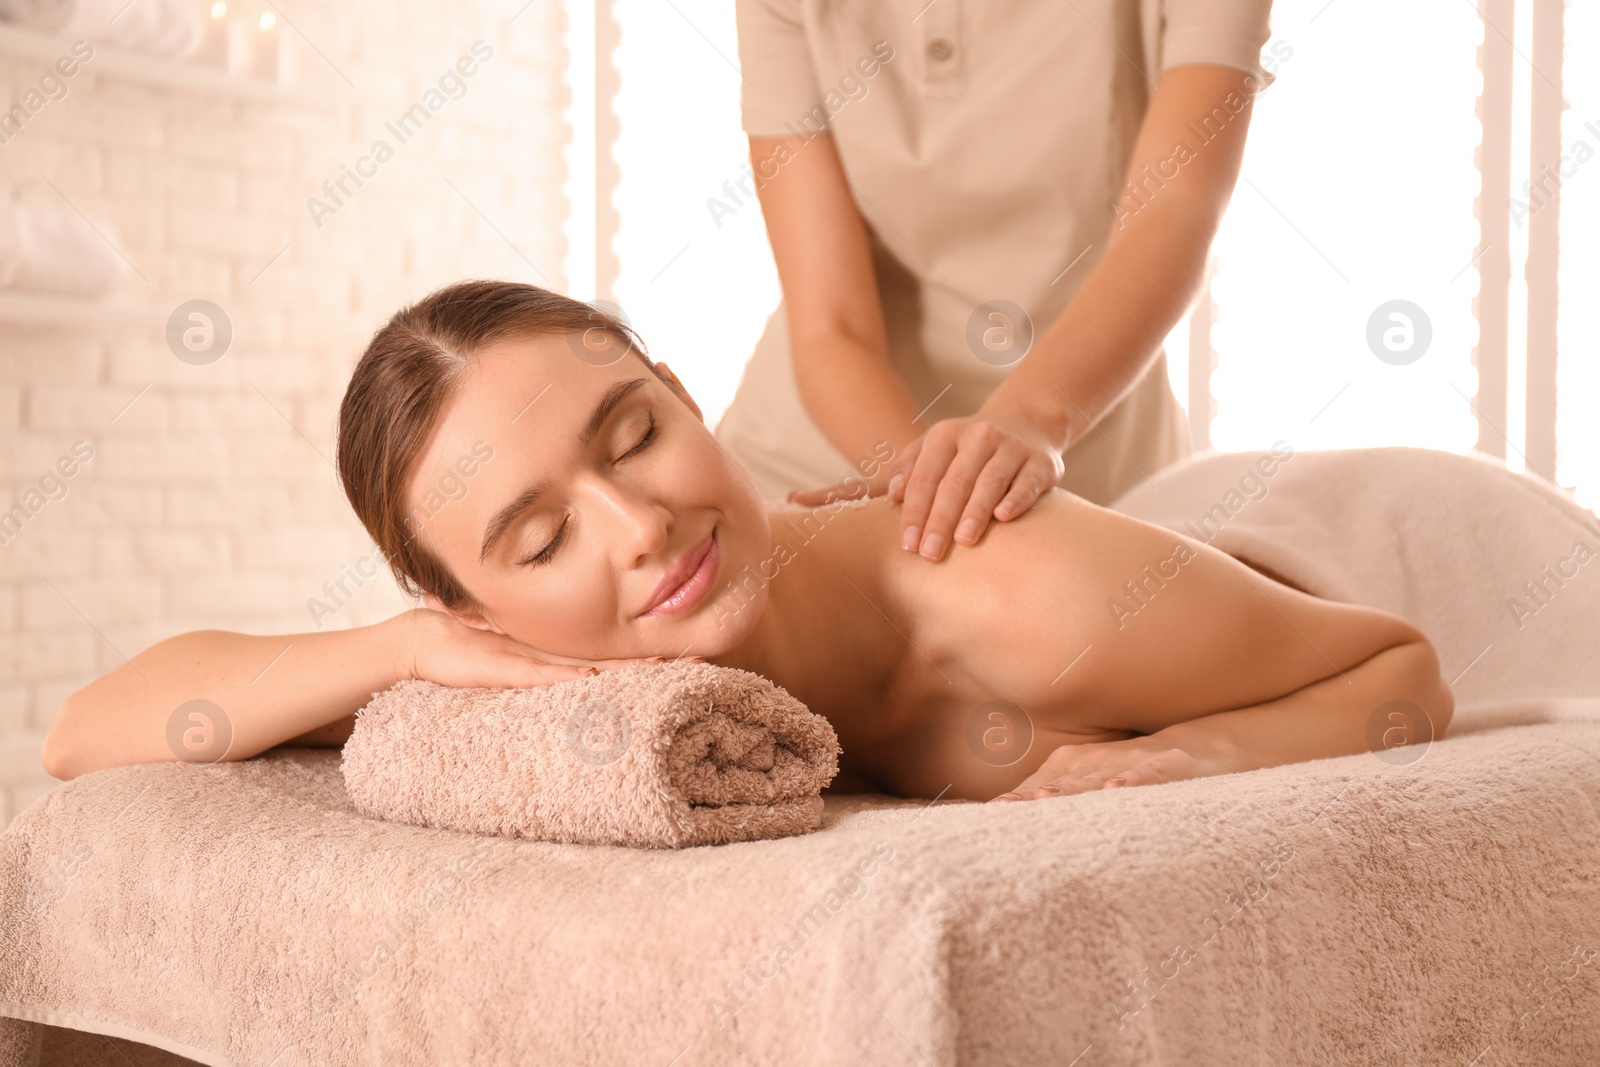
<point x="559" y="503"/>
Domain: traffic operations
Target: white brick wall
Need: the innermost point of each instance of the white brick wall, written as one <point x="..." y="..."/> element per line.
<point x="210" y="502"/>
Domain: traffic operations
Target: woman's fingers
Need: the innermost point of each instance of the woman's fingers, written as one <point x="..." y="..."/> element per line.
<point x="1064" y="776"/>
<point x="545" y="673"/>
<point x="442" y="649"/>
<point x="1065" y="785"/>
<point x="618" y="664"/>
<point x="1063" y="761"/>
<point x="533" y="673"/>
<point x="1150" y="772"/>
<point x="1072" y="769"/>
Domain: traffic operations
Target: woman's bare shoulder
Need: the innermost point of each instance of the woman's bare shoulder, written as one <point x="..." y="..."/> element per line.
<point x="1055" y="546"/>
<point x="866" y="525"/>
<point x="852" y="524"/>
<point x="1061" y="528"/>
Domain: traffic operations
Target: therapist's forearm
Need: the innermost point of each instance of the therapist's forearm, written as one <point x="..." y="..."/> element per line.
<point x="1110" y="332"/>
<point x="1154" y="260"/>
<point x="854" y="395"/>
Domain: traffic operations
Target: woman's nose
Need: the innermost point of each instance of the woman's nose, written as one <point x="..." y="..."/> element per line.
<point x="639" y="524"/>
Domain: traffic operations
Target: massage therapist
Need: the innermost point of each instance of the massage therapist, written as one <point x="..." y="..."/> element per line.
<point x="986" y="216"/>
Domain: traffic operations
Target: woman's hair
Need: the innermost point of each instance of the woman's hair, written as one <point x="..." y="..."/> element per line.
<point x="409" y="374"/>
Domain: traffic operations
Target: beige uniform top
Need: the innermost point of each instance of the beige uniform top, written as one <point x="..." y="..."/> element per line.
<point x="985" y="142"/>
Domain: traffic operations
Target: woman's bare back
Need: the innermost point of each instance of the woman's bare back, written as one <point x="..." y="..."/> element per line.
<point x="1072" y="624"/>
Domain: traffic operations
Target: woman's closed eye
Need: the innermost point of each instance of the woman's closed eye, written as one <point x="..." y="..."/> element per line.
<point x="645" y="441"/>
<point x="544" y="555"/>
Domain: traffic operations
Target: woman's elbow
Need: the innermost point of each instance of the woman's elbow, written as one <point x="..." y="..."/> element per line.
<point x="82" y="740"/>
<point x="56" y="754"/>
<point x="1427" y="681"/>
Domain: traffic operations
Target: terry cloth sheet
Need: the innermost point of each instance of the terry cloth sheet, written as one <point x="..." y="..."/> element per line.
<point x="661" y="756"/>
<point x="1425" y="905"/>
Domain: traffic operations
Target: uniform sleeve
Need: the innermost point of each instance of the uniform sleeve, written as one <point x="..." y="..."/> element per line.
<point x="1227" y="32"/>
<point x="778" y="84"/>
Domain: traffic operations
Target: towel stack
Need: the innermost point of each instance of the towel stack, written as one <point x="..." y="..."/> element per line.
<point x="57" y="251"/>
<point x="171" y="28"/>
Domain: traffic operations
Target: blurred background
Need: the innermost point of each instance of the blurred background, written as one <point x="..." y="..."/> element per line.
<point x="209" y="207"/>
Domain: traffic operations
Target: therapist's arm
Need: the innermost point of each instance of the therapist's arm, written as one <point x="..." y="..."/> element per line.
<point x="839" y="346"/>
<point x="986" y="465"/>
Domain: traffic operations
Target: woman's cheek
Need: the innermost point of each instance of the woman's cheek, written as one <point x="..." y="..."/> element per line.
<point x="565" y="616"/>
<point x="582" y="615"/>
<point x="700" y="464"/>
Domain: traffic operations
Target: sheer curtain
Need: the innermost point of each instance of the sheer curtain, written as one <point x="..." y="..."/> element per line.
<point x="696" y="276"/>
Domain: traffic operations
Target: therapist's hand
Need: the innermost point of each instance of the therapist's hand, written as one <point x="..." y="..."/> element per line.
<point x="958" y="476"/>
<point x="965" y="471"/>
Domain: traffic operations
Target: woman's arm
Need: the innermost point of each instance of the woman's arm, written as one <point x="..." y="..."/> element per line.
<point x="1171" y="638"/>
<point x="302" y="688"/>
<point x="1179" y="630"/>
<point x="1392" y="699"/>
<point x="333" y="735"/>
<point x="1333" y="717"/>
<point x="268" y="689"/>
<point x="837" y="340"/>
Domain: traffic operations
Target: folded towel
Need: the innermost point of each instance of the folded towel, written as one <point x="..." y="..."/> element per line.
<point x="171" y="28"/>
<point x="658" y="756"/>
<point x="56" y="251"/>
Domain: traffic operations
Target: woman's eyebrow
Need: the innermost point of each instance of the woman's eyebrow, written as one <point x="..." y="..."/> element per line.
<point x="506" y="517"/>
<point x="602" y="411"/>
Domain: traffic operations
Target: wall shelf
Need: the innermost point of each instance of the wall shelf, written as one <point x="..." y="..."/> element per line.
<point x="22" y="43"/>
<point x="37" y="309"/>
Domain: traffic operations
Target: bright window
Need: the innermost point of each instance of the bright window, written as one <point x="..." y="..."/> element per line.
<point x="1352" y="229"/>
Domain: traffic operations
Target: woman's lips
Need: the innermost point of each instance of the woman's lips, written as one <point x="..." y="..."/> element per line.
<point x="697" y="585"/>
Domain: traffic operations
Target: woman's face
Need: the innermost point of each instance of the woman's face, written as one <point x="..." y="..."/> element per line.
<point x="601" y="482"/>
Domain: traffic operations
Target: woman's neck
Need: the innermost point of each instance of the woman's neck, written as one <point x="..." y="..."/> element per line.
<point x="813" y="624"/>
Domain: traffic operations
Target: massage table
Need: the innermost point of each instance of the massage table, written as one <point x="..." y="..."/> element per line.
<point x="1436" y="902"/>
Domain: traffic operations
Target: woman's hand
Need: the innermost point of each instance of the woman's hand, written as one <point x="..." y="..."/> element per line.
<point x="956" y="477"/>
<point x="435" y="646"/>
<point x="1112" y="765"/>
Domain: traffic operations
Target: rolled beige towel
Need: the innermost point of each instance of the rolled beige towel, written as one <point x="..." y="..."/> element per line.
<point x="56" y="251"/>
<point x="652" y="755"/>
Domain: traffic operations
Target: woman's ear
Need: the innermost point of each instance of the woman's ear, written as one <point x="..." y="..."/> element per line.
<point x="465" y="618"/>
<point x="662" y="370"/>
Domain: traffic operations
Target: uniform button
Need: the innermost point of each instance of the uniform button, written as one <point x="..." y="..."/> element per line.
<point x="940" y="50"/>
